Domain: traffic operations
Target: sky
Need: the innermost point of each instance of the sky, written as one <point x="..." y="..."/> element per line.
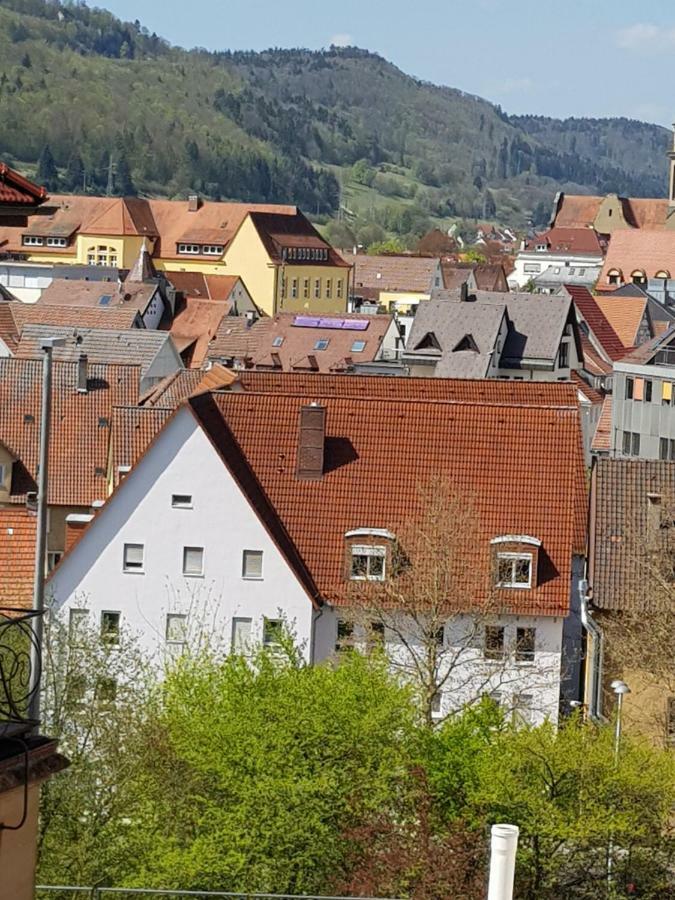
<point x="578" y="58"/>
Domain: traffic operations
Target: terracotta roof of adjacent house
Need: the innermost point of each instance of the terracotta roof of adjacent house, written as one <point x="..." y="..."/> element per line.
<point x="454" y="276"/>
<point x="17" y="556"/>
<point x="640" y="250"/>
<point x="569" y="240"/>
<point x="646" y="352"/>
<point x="197" y="321"/>
<point x="490" y="277"/>
<point x="625" y="315"/>
<point x="594" y="362"/>
<point x="14" y="315"/>
<point x="589" y="310"/>
<point x="16" y="190"/>
<point x="380" y="452"/>
<point x="280" y="233"/>
<point x="98" y="295"/>
<point x="580" y="211"/>
<point x="78" y="456"/>
<point x="201" y="286"/>
<point x="393" y="273"/>
<point x="135" y="346"/>
<point x="602" y="439"/>
<point x="591" y="394"/>
<point x="620" y="528"/>
<point x="479" y="391"/>
<point x="132" y="430"/>
<point x="320" y="343"/>
<point x="237" y="337"/>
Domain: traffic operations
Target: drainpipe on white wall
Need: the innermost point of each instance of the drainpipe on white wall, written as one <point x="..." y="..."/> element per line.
<point x="594" y="659"/>
<point x="503" y="848"/>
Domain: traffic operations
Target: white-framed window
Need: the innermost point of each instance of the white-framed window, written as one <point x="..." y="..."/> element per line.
<point x="368" y="563"/>
<point x="181" y="501"/>
<point x="193" y="561"/>
<point x="514" y="570"/>
<point x="189" y="249"/>
<point x="521" y="709"/>
<point x="133" y="557"/>
<point x="317" y="288"/>
<point x="525" y="644"/>
<point x="212" y="249"/>
<point x="294" y="288"/>
<point x="110" y="626"/>
<point x="345" y="636"/>
<point x="532" y="268"/>
<point x="77" y="624"/>
<point x="329" y="288"/>
<point x="338" y="288"/>
<point x="31" y="240"/>
<point x="493" y="646"/>
<point x="564" y="355"/>
<point x="305" y="288"/>
<point x="176" y="628"/>
<point x="57" y="242"/>
<point x="53" y="559"/>
<point x="241" y="634"/>
<point x="358" y="346"/>
<point x="252" y="564"/>
<point x="272" y="632"/>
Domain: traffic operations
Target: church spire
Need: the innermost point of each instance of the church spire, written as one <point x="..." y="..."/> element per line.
<point x="143" y="269"/>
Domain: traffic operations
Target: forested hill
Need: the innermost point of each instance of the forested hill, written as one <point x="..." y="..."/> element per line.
<point x="105" y="105"/>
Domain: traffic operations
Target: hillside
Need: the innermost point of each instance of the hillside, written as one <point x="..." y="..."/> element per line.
<point x="118" y="108"/>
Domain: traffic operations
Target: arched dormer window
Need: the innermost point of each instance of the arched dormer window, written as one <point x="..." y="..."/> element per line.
<point x="368" y="553"/>
<point x="516" y="560"/>
<point x="662" y="273"/>
<point x="638" y="276"/>
<point x="614" y="276"/>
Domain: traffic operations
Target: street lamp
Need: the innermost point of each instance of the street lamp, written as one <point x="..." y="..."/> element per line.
<point x="47" y="346"/>
<point x="620" y="688"/>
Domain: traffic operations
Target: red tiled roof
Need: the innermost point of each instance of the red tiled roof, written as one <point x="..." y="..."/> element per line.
<point x="198" y="321"/>
<point x="602" y="439"/>
<point x="573" y="240"/>
<point x="15" y="190"/>
<point x="625" y="315"/>
<point x="237" y="338"/>
<point x="379" y="453"/>
<point x="17" y="556"/>
<point x="587" y="306"/>
<point x="78" y="458"/>
<point x="647" y="250"/>
<point x="393" y="273"/>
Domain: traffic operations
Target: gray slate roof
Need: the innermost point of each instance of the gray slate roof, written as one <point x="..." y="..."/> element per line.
<point x="101" y="345"/>
<point x="537" y="322"/>
<point x="450" y="323"/>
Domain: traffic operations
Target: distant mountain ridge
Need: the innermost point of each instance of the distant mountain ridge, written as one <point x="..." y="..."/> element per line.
<point x="120" y="108"/>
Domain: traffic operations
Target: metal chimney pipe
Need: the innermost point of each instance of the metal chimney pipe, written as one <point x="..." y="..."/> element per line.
<point x="503" y="848"/>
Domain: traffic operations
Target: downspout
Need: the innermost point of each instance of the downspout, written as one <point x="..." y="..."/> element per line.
<point x="316" y="615"/>
<point x="595" y="660"/>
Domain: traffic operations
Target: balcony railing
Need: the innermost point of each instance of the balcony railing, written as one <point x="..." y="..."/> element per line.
<point x="18" y="654"/>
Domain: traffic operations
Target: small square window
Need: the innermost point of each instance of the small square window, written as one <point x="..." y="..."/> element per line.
<point x="241" y="635"/>
<point x="278" y="341"/>
<point x="252" y="566"/>
<point x="77" y="625"/>
<point x="494" y="642"/>
<point x="322" y="344"/>
<point x="106" y="690"/>
<point x="368" y="563"/>
<point x="629" y="389"/>
<point x="133" y="557"/>
<point x="193" y="561"/>
<point x="273" y="630"/>
<point x="358" y="346"/>
<point x="176" y="628"/>
<point x="525" y="638"/>
<point x="110" y="627"/>
<point x="181" y="501"/>
<point x="345" y="636"/>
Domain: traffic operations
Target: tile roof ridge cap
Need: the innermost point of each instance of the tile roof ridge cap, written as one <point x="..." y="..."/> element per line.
<point x="456" y="401"/>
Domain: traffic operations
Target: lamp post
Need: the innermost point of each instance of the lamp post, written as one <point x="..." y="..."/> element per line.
<point x="47" y="346"/>
<point x="620" y="688"/>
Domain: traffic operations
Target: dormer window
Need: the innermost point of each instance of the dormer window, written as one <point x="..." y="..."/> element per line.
<point x="189" y="249"/>
<point x="541" y="248"/>
<point x="614" y="276"/>
<point x="368" y="553"/>
<point x="32" y="240"/>
<point x="516" y="559"/>
<point x="638" y="277"/>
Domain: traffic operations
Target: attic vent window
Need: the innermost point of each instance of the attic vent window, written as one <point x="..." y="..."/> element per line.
<point x="103" y="422"/>
<point x="181" y="501"/>
<point x="466" y="343"/>
<point x="29" y="419"/>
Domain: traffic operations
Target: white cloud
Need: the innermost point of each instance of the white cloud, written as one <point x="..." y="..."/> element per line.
<point x="646" y="38"/>
<point x="341" y="40"/>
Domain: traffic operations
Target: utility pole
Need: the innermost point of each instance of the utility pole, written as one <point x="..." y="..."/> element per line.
<point x="47" y="346"/>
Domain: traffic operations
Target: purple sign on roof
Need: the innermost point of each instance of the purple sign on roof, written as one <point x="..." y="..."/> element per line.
<point x="336" y="324"/>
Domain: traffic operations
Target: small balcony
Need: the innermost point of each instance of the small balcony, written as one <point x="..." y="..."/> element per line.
<point x="19" y="653"/>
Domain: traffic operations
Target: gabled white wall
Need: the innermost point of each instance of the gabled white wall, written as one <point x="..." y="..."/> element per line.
<point x="181" y="461"/>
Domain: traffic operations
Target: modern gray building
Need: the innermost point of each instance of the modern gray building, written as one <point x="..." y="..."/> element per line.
<point x="643" y="408"/>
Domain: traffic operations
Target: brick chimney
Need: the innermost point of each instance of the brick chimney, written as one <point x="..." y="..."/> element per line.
<point x="464" y="291"/>
<point x="194" y="203"/>
<point x="311" y="441"/>
<point x="82" y="373"/>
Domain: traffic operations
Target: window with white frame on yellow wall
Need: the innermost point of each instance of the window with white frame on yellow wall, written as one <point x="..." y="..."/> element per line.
<point x="102" y="255"/>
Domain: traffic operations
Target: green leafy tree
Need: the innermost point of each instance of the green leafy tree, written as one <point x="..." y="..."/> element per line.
<point x="391" y="245"/>
<point x="363" y="172"/>
<point x="47" y="173"/>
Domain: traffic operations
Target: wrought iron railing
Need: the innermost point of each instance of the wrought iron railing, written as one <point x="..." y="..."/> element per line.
<point x="19" y="654"/>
